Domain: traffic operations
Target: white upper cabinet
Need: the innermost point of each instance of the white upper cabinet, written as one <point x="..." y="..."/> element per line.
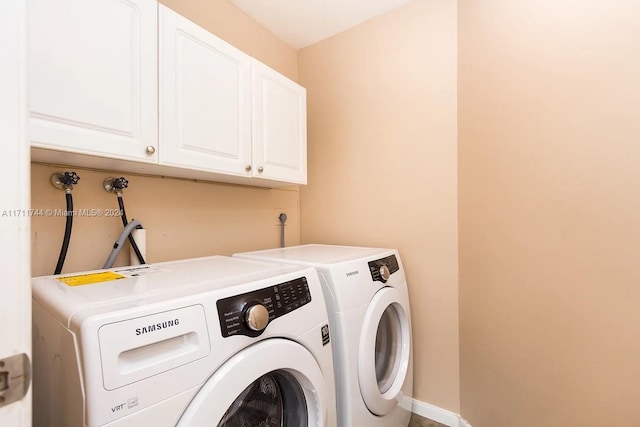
<point x="279" y="126"/>
<point x="205" y="99"/>
<point x="92" y="72"/>
<point x="130" y="85"/>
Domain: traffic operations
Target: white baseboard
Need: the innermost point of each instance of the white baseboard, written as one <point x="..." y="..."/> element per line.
<point x="443" y="416"/>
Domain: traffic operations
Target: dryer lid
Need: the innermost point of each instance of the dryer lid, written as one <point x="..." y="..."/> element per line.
<point x="315" y="254"/>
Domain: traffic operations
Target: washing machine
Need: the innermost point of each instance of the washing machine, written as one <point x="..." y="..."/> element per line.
<point x="214" y="341"/>
<point x="369" y="317"/>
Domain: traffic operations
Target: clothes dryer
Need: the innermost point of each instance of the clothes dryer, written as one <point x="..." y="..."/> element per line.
<point x="214" y="341"/>
<point x="369" y="315"/>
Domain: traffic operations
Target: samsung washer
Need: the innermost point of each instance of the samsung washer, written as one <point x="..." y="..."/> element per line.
<point x="368" y="303"/>
<point x="213" y="341"/>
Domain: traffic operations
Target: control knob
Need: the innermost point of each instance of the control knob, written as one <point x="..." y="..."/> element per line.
<point x="384" y="272"/>
<point x="256" y="317"/>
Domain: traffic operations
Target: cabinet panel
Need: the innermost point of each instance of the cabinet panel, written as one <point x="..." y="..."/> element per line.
<point x="205" y="114"/>
<point x="279" y="126"/>
<point x="93" y="76"/>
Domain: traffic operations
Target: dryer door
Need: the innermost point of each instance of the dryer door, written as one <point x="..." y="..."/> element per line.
<point x="275" y="382"/>
<point x="384" y="351"/>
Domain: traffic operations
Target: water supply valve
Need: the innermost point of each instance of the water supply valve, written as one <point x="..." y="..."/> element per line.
<point x="115" y="185"/>
<point x="65" y="181"/>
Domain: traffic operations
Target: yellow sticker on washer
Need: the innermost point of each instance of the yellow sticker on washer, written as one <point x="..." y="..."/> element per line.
<point x="90" y="279"/>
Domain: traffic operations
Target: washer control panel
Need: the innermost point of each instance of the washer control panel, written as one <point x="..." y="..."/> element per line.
<point x="381" y="269"/>
<point x="250" y="313"/>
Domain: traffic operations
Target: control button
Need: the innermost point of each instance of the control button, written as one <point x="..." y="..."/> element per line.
<point x="232" y="319"/>
<point x="384" y="272"/>
<point x="256" y="317"/>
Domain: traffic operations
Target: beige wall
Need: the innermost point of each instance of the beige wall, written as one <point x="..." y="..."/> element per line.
<point x="184" y="218"/>
<point x="382" y="165"/>
<point x="549" y="118"/>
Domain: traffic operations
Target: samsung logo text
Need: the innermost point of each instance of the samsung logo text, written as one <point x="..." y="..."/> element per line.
<point x="158" y="326"/>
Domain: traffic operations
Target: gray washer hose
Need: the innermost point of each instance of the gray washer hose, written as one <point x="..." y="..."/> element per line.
<point x="117" y="247"/>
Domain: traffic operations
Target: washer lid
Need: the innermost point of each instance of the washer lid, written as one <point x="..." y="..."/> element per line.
<point x="268" y="381"/>
<point x="95" y="291"/>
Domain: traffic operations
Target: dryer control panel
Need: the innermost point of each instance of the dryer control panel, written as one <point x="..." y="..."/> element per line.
<point x="382" y="268"/>
<point x="237" y="314"/>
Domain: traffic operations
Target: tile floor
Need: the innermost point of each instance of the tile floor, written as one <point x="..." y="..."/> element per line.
<point x="418" y="421"/>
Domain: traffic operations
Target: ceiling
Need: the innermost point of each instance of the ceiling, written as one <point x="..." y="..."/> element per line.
<point x="300" y="23"/>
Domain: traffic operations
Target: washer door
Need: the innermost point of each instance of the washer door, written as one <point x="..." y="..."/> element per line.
<point x="384" y="351"/>
<point x="275" y="382"/>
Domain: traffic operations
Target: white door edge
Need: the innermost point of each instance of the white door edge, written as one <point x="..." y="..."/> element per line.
<point x="15" y="255"/>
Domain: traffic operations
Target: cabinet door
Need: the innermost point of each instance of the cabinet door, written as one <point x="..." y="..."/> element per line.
<point x="93" y="76"/>
<point x="205" y="95"/>
<point x="279" y="126"/>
